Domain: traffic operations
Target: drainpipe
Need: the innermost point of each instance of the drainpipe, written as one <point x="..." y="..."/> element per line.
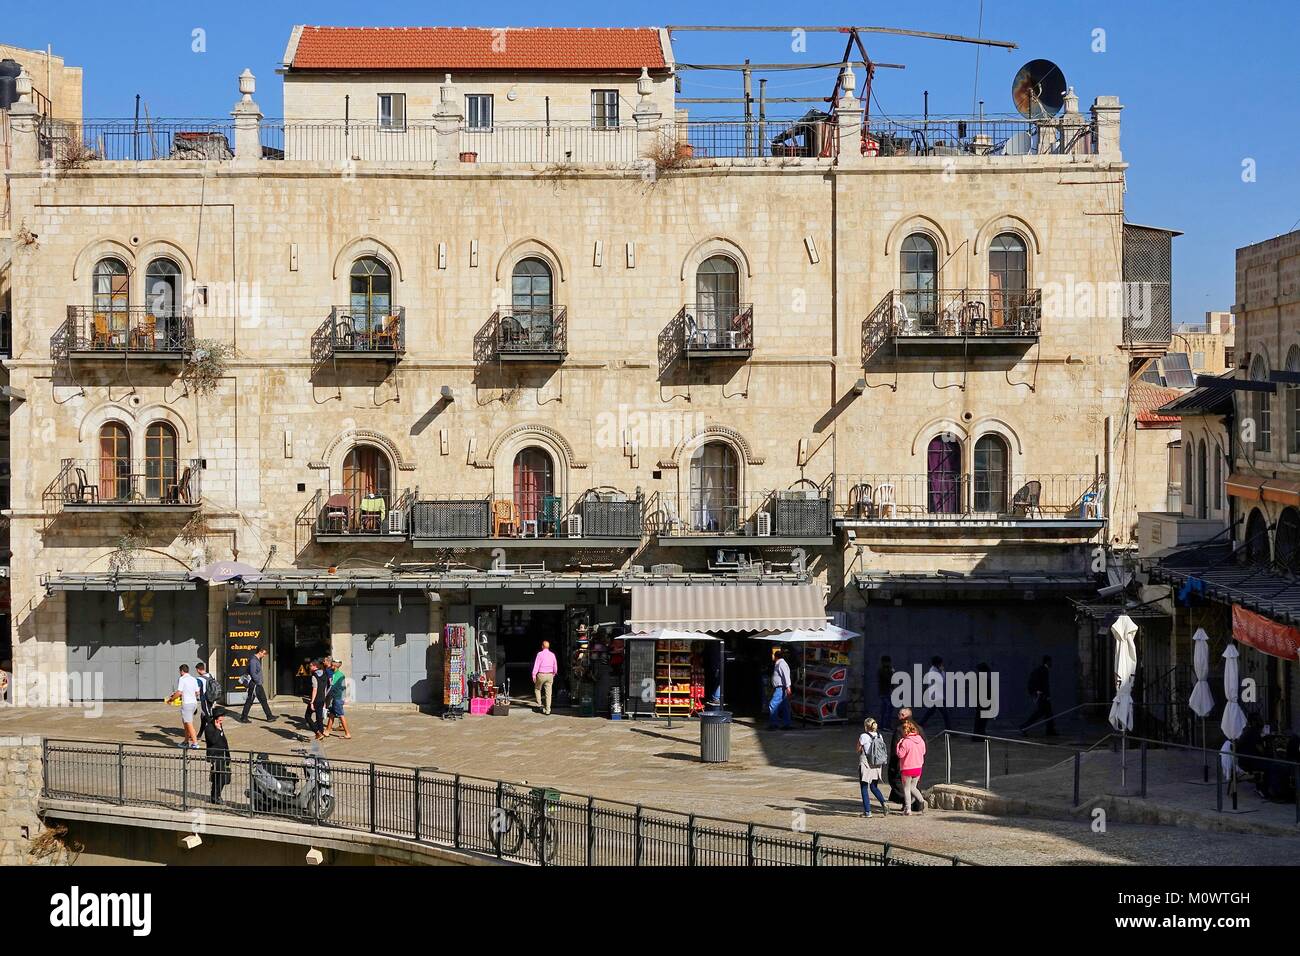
<point x="1109" y="470"/>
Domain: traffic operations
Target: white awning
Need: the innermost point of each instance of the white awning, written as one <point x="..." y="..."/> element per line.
<point x="728" y="607"/>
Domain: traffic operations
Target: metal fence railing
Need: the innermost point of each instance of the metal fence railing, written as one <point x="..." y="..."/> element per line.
<point x="556" y="143"/>
<point x="121" y="329"/>
<point x="73" y="143"/>
<point x="342" y="141"/>
<point x="120" y="481"/>
<point x="509" y="821"/>
<point x="977" y="136"/>
<point x="529" y="515"/>
<point x="711" y="510"/>
<point x="945" y="494"/>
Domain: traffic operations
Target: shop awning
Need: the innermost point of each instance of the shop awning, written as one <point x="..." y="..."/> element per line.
<point x="831" y="634"/>
<point x="1214" y="573"/>
<point x="731" y="607"/>
<point x="1260" y="488"/>
<point x="107" y="581"/>
<point x="1209" y="397"/>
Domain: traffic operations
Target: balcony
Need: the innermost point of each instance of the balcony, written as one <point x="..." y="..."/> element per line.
<point x="133" y="332"/>
<point x="122" y="485"/>
<point x="525" y="335"/>
<point x="6" y="336"/>
<point x="980" y="136"/>
<point x="800" y="517"/>
<point x="349" y="334"/>
<point x="357" y="518"/>
<point x="594" y="519"/>
<point x="965" y="502"/>
<point x="953" y="321"/>
<point x="717" y="333"/>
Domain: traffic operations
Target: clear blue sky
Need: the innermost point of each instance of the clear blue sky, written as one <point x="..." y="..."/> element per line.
<point x="1206" y="85"/>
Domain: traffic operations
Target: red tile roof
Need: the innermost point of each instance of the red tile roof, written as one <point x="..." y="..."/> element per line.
<point x="1146" y="398"/>
<point x="585" y="49"/>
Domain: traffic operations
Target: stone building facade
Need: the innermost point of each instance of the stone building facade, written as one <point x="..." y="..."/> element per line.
<point x="390" y="385"/>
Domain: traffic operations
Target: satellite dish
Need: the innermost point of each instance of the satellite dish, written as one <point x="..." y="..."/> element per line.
<point x="1039" y="90"/>
<point x="1021" y="144"/>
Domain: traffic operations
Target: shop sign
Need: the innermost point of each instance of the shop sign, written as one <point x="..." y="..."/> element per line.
<point x="245" y="634"/>
<point x="1264" y="635"/>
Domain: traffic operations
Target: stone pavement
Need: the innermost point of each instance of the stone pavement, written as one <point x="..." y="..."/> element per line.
<point x="773" y="778"/>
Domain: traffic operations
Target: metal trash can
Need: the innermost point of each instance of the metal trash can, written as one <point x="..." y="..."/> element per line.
<point x="715" y="736"/>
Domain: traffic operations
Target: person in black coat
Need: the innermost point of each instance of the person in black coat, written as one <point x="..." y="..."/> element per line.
<point x="218" y="754"/>
<point x="1040" y="692"/>
<point x="895" y="770"/>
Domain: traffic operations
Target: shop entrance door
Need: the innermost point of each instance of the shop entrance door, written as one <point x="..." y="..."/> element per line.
<point x="139" y="647"/>
<point x="301" y="634"/>
<point x="390" y="654"/>
<point x="520" y="636"/>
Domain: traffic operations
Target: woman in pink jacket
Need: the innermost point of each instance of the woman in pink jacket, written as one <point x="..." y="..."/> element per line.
<point x="911" y="758"/>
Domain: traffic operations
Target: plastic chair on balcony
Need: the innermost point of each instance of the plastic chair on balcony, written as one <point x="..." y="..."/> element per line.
<point x="860" y="501"/>
<point x="1028" y="500"/>
<point x="886" y="504"/>
<point x="385" y="338"/>
<point x="338" y="508"/>
<point x="179" y="493"/>
<point x="671" y="520"/>
<point x="81" y="491"/>
<point x="904" y="323"/>
<point x="143" y="337"/>
<point x="692" y="332"/>
<point x="504" y="517"/>
<point x="552" y="511"/>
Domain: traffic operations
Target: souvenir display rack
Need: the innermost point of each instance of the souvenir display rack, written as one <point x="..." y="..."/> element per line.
<point x="819" y="690"/>
<point x="679" y="679"/>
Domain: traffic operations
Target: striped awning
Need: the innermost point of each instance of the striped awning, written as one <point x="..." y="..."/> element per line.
<point x="729" y="607"/>
<point x="126" y="581"/>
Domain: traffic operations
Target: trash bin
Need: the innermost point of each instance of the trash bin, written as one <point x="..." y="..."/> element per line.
<point x="715" y="736"/>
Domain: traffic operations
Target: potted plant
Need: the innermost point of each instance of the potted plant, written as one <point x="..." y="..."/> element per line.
<point x="685" y="150"/>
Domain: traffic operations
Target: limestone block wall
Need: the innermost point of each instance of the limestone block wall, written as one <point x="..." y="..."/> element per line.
<point x="20" y="791"/>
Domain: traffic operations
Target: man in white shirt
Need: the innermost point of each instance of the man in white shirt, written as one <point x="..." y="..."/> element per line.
<point x="778" y="710"/>
<point x="188" y="690"/>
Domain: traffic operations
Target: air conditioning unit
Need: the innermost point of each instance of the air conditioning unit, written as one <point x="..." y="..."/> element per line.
<point x="665" y="569"/>
<point x="397" y="521"/>
<point x="573" y="526"/>
<point x="764" y="524"/>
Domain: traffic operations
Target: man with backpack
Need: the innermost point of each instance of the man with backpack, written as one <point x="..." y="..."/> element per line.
<point x="209" y="694"/>
<point x="253" y="684"/>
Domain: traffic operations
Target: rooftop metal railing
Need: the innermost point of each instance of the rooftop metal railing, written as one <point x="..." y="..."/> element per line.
<point x="977" y="136"/>
<point x="529" y="516"/>
<point x="71" y="143"/>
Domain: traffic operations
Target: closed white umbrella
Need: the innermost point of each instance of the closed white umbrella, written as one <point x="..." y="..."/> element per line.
<point x="1202" y="700"/>
<point x="1234" y="718"/>
<point x="1121" y="709"/>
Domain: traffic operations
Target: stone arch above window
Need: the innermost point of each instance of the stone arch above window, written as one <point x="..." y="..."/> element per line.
<point x="935" y="428"/>
<point x="364" y="246"/>
<point x="914" y="223"/>
<point x="342" y="443"/>
<point x="508" y="443"/>
<point x="710" y="247"/>
<point x="1006" y="222"/>
<point x="168" y="249"/>
<point x="530" y="248"/>
<point x="982" y="426"/>
<point x="97" y="249"/>
<point x="94" y="418"/>
<point x="686" y="447"/>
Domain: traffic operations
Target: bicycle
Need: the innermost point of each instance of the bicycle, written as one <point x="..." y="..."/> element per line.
<point x="527" y="815"/>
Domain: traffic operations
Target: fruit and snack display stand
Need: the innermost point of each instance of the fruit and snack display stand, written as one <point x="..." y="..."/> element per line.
<point x="679" y="679"/>
<point x="819" y="688"/>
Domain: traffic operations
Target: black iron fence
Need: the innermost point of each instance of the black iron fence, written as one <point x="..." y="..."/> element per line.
<point x="113" y="481"/>
<point x="71" y="144"/>
<point x="350" y="514"/>
<point x="360" y="333"/>
<point x="542" y="330"/>
<point x="527" y="516"/>
<point x="944" y="493"/>
<point x="514" y="822"/>
<point x="136" y="329"/>
<point x="798" y="513"/>
<point x="554" y="144"/>
<point x="976" y="136"/>
<point x="717" y="328"/>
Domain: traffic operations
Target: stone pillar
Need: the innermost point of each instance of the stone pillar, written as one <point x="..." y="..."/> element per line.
<point x="847" y="126"/>
<point x="1105" y="116"/>
<point x="24" y="128"/>
<point x="649" y="119"/>
<point x="448" y="121"/>
<point x="248" y="122"/>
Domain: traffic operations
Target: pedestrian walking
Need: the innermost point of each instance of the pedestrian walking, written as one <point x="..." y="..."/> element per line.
<point x="187" y="693"/>
<point x="214" y="735"/>
<point x="895" y="769"/>
<point x="936" y="690"/>
<point x="320" y="688"/>
<point x="206" y="698"/>
<point x="873" y="758"/>
<point x="1040" y="692"/>
<point x="778" y="708"/>
<point x="911" y="761"/>
<point x="885" y="689"/>
<point x="338" y="690"/>
<point x="254" y="681"/>
<point x="308" y="720"/>
<point x="545" y="667"/>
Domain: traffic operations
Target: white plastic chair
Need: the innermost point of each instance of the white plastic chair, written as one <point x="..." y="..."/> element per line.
<point x="885" y="502"/>
<point x="905" y="323"/>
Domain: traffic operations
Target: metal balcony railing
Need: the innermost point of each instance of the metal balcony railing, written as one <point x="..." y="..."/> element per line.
<point x="977" y="136"/>
<point x="593" y="514"/>
<point x="944" y="496"/>
<point x="713" y="328"/>
<point x="798" y="513"/>
<point x="540" y="331"/>
<point x="351" y="514"/>
<point x="130" y="330"/>
<point x="361" y="333"/>
<point x="111" y="482"/>
<point x="554" y="144"/>
<point x="74" y="143"/>
<point x="774" y="138"/>
<point x="6" y="336"/>
<point x="919" y="316"/>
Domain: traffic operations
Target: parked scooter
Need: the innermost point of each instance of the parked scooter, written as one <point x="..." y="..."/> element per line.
<point x="277" y="789"/>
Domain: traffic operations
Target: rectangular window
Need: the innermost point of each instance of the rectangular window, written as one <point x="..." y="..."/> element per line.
<point x="392" y="111"/>
<point x="604" y="109"/>
<point x="478" y="111"/>
<point x="1198" y="361"/>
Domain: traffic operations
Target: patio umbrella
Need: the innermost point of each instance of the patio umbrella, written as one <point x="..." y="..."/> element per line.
<point x="1121" y="709"/>
<point x="218" y="572"/>
<point x="1202" y="700"/>
<point x="1234" y="718"/>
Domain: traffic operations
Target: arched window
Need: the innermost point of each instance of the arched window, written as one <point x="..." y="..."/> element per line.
<point x="111" y="304"/>
<point x="1007" y="278"/>
<point x="1189" y="476"/>
<point x="368" y="483"/>
<point x="943" y="475"/>
<point x="1202" y="481"/>
<point x="532" y="320"/>
<point x="114" y="462"/>
<point x="1262" y="406"/>
<point x="918" y="280"/>
<point x="371" y="295"/>
<point x="990" y="473"/>
<point x="534" y="486"/>
<point x="1293" y="404"/>
<point x="160" y="462"/>
<point x="162" y="299"/>
<point x="1218" y="477"/>
<point x="717" y="300"/>
<point x="1287" y="547"/>
<point x="715" y="492"/>
<point x="1255" y="550"/>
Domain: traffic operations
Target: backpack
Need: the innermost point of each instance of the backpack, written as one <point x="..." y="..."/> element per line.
<point x="879" y="755"/>
<point x="212" y="689"/>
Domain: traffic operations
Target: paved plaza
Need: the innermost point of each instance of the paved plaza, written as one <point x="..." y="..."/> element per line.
<point x="799" y="777"/>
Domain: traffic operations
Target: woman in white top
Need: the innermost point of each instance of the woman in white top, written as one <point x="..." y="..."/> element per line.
<point x="873" y="756"/>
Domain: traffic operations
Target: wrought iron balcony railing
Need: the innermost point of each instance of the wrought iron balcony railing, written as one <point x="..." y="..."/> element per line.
<point x="361" y="333"/>
<point x="533" y="334"/>
<point x="596" y="514"/>
<point x="942" y="496"/>
<point x="796" y="513"/>
<point x="130" y="330"/>
<point x="977" y="136"/>
<point x="111" y="482"/>
<point x="921" y="318"/>
<point x="344" y="514"/>
<point x="717" y="330"/>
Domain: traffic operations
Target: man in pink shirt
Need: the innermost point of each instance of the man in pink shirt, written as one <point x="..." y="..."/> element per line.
<point x="544" y="668"/>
